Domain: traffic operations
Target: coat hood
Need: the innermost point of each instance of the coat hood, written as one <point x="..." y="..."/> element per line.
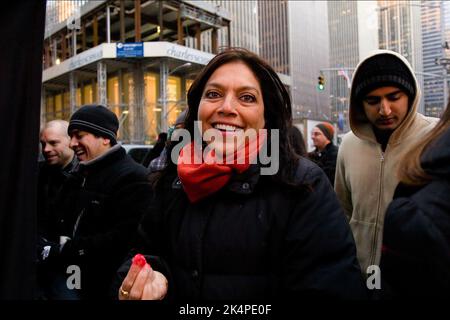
<point x="359" y="123"/>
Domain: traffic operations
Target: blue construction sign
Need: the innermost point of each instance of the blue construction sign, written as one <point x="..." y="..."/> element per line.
<point x="133" y="49"/>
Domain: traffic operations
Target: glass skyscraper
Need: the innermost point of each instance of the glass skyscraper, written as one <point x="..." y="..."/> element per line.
<point x="435" y="17"/>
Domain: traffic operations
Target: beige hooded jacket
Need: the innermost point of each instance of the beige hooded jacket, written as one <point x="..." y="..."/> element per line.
<point x="366" y="177"/>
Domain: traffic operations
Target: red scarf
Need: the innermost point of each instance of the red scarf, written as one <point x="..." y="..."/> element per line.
<point x="207" y="176"/>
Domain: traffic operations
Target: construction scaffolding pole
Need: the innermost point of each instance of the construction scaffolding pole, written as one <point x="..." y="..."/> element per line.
<point x="43" y="106"/>
<point x="101" y="83"/>
<point x="137" y="20"/>
<point x="122" y="21"/>
<point x="108" y="24"/>
<point x="54" y="51"/>
<point x="163" y="78"/>
<point x="136" y="109"/>
<point x="73" y="91"/>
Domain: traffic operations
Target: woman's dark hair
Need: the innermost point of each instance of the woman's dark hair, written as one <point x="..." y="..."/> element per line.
<point x="411" y="171"/>
<point x="277" y="105"/>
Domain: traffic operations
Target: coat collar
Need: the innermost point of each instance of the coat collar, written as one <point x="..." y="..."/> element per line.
<point x="243" y="183"/>
<point x="116" y="152"/>
<point x="72" y="166"/>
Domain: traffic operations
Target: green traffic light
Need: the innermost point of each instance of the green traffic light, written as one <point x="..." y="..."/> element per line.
<point x="321" y="83"/>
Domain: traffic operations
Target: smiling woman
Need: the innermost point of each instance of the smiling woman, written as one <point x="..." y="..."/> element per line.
<point x="232" y="104"/>
<point x="219" y="231"/>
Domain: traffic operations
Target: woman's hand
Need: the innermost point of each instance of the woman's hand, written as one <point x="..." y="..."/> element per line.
<point x="142" y="282"/>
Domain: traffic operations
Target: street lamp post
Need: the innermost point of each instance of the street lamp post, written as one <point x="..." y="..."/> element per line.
<point x="340" y="92"/>
<point x="445" y="62"/>
<point x="427" y="5"/>
<point x="340" y="110"/>
<point x="338" y="106"/>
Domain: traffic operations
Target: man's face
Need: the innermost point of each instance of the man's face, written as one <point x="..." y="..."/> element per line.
<point x="386" y="107"/>
<point x="55" y="147"/>
<point x="320" y="141"/>
<point x="87" y="146"/>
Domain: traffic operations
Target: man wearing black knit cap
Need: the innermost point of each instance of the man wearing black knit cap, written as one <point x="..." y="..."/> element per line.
<point x="93" y="131"/>
<point x="99" y="208"/>
<point x="385" y="123"/>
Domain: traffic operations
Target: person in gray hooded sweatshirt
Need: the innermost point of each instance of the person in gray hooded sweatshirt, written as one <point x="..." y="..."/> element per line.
<point x="384" y="125"/>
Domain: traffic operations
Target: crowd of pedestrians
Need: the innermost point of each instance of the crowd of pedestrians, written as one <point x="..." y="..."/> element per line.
<point x="209" y="219"/>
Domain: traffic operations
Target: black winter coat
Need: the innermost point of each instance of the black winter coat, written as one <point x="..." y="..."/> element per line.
<point x="50" y="182"/>
<point x="326" y="160"/>
<point x="100" y="208"/>
<point x="416" y="245"/>
<point x="253" y="240"/>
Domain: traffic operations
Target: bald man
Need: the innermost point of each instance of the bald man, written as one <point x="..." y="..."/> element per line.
<point x="55" y="144"/>
<point x="59" y="161"/>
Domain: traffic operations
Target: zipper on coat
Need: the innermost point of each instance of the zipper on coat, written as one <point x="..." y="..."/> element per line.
<point x="375" y="234"/>
<point x="75" y="227"/>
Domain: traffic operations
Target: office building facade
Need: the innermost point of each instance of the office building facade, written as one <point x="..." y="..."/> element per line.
<point x="136" y="57"/>
<point x="353" y="33"/>
<point x="401" y="31"/>
<point x="309" y="54"/>
<point x="243" y="30"/>
<point x="435" y="43"/>
<point x="274" y="34"/>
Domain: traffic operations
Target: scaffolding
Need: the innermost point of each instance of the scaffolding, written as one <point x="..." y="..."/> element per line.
<point x="144" y="108"/>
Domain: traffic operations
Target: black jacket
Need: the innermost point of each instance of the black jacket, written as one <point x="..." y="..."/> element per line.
<point x="253" y="240"/>
<point x="100" y="207"/>
<point x="326" y="160"/>
<point x="50" y="182"/>
<point x="416" y="245"/>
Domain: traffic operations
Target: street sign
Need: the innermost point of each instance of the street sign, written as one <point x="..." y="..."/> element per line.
<point x="127" y="50"/>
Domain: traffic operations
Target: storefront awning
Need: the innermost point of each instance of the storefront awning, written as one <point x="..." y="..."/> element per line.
<point x="109" y="51"/>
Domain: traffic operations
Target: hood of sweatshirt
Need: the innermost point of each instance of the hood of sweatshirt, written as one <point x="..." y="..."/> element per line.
<point x="359" y="123"/>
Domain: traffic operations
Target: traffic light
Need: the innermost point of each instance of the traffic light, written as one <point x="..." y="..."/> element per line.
<point x="321" y="83"/>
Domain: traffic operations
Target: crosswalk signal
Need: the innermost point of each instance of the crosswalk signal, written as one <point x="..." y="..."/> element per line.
<point x="321" y="83"/>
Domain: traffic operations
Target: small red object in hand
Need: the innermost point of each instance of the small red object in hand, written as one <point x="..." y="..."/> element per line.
<point x="139" y="260"/>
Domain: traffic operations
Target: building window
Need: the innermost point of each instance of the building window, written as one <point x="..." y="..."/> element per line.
<point x="152" y="110"/>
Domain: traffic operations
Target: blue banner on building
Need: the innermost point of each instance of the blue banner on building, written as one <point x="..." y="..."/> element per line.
<point x="126" y="50"/>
